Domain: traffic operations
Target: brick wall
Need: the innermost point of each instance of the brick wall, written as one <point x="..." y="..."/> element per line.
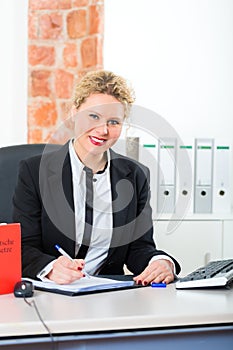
<point x="65" y="41"/>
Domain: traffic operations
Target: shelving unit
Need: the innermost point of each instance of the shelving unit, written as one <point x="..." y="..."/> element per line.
<point x="195" y="239"/>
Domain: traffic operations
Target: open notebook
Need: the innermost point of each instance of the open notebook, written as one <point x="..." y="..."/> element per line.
<point x="85" y="285"/>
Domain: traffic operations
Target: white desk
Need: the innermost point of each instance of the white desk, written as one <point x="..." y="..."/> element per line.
<point x="139" y="318"/>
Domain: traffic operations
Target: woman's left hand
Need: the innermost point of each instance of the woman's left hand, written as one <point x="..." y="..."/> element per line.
<point x="158" y="271"/>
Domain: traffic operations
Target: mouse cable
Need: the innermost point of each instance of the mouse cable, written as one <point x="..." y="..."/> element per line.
<point x="33" y="304"/>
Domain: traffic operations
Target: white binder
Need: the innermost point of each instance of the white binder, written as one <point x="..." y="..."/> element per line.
<point x="221" y="188"/>
<point x="148" y="155"/>
<point x="203" y="179"/>
<point x="184" y="182"/>
<point x="166" y="175"/>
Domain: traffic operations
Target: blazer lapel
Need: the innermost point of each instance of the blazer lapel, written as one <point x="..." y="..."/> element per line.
<point x="57" y="191"/>
<point x="121" y="198"/>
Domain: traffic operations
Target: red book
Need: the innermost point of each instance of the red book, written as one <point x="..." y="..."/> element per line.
<point x="10" y="257"/>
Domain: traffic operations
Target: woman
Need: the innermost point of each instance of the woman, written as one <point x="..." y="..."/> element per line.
<point x="49" y="200"/>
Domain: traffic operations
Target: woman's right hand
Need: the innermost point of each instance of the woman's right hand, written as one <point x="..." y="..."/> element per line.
<point x="66" y="271"/>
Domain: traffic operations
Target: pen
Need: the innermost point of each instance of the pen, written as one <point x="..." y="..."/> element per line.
<point x="63" y="252"/>
<point x="158" y="285"/>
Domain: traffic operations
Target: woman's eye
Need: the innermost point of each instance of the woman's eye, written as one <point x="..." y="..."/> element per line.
<point x="113" y="122"/>
<point x="94" y="116"/>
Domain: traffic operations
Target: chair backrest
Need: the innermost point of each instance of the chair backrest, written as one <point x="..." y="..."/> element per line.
<point x="10" y="158"/>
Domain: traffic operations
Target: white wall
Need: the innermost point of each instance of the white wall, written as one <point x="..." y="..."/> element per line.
<point x="13" y="72"/>
<point x="179" y="57"/>
<point x="177" y="54"/>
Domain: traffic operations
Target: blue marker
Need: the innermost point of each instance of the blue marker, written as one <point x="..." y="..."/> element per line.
<point x="158" y="285"/>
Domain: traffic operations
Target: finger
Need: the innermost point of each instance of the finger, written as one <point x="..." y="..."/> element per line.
<point x="162" y="267"/>
<point x="68" y="263"/>
<point x="150" y="272"/>
<point x="63" y="275"/>
<point x="63" y="261"/>
<point x="164" y="277"/>
<point x="169" y="279"/>
<point x="153" y="276"/>
<point x="65" y="271"/>
<point x="158" y="271"/>
<point x="143" y="277"/>
<point x="79" y="263"/>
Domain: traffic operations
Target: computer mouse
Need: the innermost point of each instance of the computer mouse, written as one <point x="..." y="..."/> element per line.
<point x="23" y="289"/>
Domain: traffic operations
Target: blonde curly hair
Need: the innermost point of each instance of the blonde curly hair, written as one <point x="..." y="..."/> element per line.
<point x="104" y="82"/>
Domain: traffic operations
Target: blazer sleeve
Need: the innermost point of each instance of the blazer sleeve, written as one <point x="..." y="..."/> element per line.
<point x="27" y="208"/>
<point x="143" y="248"/>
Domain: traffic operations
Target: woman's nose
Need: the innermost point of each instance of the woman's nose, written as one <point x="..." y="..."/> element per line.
<point x="102" y="128"/>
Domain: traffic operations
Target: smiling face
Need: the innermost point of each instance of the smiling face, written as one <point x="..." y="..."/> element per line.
<point x="98" y="125"/>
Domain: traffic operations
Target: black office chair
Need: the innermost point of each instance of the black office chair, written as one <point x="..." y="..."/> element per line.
<point x="9" y="160"/>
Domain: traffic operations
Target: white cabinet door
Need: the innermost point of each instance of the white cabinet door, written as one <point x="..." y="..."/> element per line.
<point x="192" y="243"/>
<point x="228" y="240"/>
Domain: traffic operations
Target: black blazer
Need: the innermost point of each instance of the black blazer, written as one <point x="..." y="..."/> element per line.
<point x="43" y="204"/>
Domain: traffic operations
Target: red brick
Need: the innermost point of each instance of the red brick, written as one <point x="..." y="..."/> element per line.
<point x="42" y="114"/>
<point x="88" y="52"/>
<point x="77" y="24"/>
<point x="94" y="2"/>
<point x="79" y="3"/>
<point x="64" y="4"/>
<point x="96" y="16"/>
<point x="46" y="21"/>
<point x="40" y="83"/>
<point x="65" y="115"/>
<point x="32" y="26"/>
<point x="50" y="26"/>
<point x="70" y="55"/>
<point x="35" y="136"/>
<point x="41" y="55"/>
<point x="49" y="4"/>
<point x="100" y="51"/>
<point x="42" y="4"/>
<point x="64" y="109"/>
<point x="64" y="84"/>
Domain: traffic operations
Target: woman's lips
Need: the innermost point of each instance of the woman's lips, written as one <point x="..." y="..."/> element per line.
<point x="96" y="141"/>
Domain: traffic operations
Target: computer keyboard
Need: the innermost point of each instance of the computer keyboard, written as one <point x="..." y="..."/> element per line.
<point x="214" y="274"/>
